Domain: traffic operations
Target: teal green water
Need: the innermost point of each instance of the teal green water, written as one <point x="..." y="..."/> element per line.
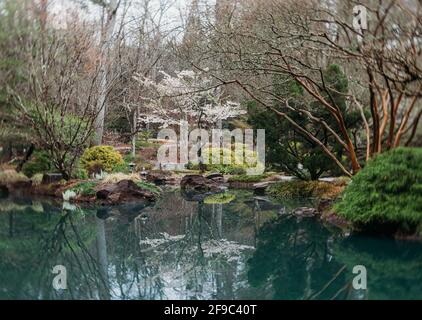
<point x="179" y="249"/>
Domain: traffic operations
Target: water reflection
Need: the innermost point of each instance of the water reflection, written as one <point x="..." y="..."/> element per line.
<point x="249" y="248"/>
<point x="294" y="257"/>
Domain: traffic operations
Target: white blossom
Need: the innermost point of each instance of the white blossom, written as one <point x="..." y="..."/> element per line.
<point x="187" y="96"/>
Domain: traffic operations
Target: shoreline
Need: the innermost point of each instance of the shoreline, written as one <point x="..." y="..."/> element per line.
<point x="54" y="192"/>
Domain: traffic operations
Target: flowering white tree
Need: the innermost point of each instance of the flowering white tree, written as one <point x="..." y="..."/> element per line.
<point x="188" y="96"/>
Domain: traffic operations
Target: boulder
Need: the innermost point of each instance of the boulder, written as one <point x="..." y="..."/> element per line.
<point x="216" y="177"/>
<point x="196" y="187"/>
<point x="49" y="178"/>
<point x="124" y="191"/>
<point x="197" y="183"/>
<point x="242" y="185"/>
<point x="160" y="178"/>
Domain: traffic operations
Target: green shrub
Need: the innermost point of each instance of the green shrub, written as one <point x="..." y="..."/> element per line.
<point x="303" y="189"/>
<point x="101" y="158"/>
<point x="388" y="191"/>
<point x="220" y="168"/>
<point x="80" y="173"/>
<point x="85" y="188"/>
<point x="291" y="189"/>
<point x="236" y="165"/>
<point x="124" y="166"/>
<point x="40" y="162"/>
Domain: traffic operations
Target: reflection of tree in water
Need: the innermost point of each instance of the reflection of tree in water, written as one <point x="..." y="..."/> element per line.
<point x="105" y="258"/>
<point x="293" y="260"/>
<point x="393" y="267"/>
<point x="197" y="263"/>
<point x="72" y="243"/>
<point x="40" y="239"/>
<point x="128" y="271"/>
<point x="178" y="249"/>
<point x="186" y="250"/>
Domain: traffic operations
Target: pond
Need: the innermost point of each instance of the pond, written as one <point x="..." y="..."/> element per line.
<point x="249" y="248"/>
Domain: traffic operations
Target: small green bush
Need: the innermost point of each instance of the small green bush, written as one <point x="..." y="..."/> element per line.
<point x="79" y="172"/>
<point x="99" y="158"/>
<point x="124" y="166"/>
<point x="236" y="165"/>
<point x="388" y="191"/>
<point x="40" y="162"/>
<point x="85" y="188"/>
<point x="292" y="189"/>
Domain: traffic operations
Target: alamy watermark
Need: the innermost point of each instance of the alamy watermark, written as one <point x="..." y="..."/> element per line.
<point x="360" y="280"/>
<point x="60" y="280"/>
<point x="215" y="146"/>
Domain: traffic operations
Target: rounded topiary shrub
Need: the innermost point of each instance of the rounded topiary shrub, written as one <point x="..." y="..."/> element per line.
<point x="386" y="195"/>
<point x="237" y="158"/>
<point x="99" y="158"/>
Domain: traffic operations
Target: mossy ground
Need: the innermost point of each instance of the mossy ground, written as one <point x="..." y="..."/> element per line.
<point x="305" y="189"/>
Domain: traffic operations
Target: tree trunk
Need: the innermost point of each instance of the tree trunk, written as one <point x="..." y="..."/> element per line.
<point x="106" y="36"/>
<point x="102" y="259"/>
<point x="134" y="132"/>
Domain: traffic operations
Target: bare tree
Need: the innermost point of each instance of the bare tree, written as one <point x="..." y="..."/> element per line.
<point x="59" y="98"/>
<point x="140" y="50"/>
<point x="109" y="21"/>
<point x="298" y="39"/>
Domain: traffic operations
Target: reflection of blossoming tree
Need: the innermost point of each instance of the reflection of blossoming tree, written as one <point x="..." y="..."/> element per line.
<point x="197" y="263"/>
